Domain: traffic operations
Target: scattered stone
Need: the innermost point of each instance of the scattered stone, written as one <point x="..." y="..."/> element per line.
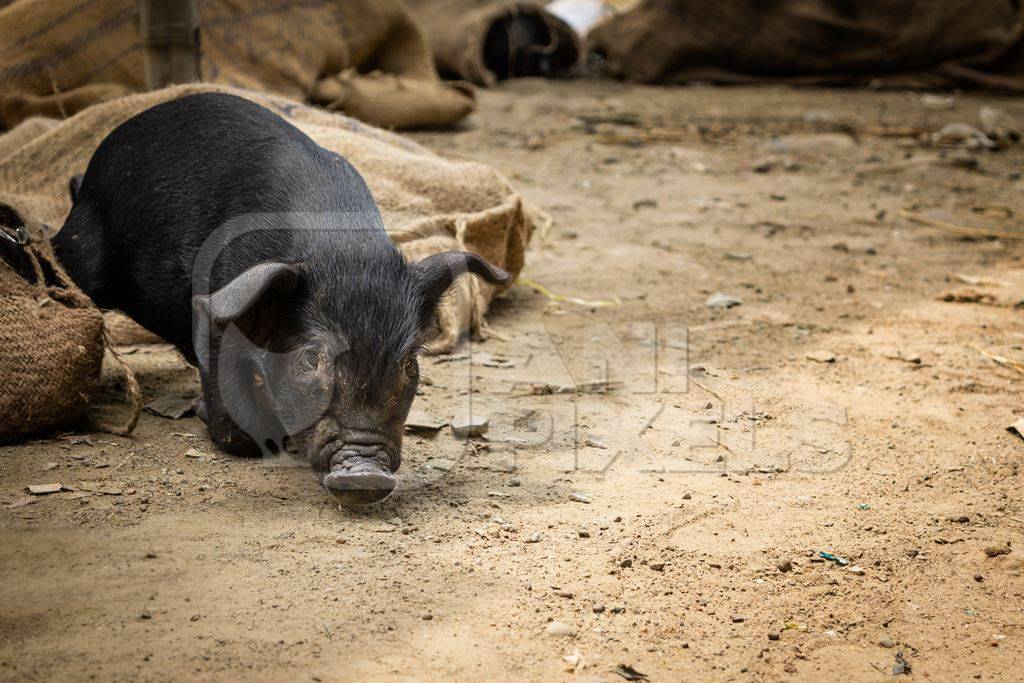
<point x="774" y="635"/>
<point x="645" y="204"/>
<point x="938" y="102"/>
<point x="559" y="629"/>
<point x="197" y="454"/>
<point x="657" y="566"/>
<point x="533" y="538"/>
<point x="822" y="356"/>
<point x="420" y="421"/>
<point x="50" y="466"/>
<point x="626" y="564"/>
<point x="577" y="497"/>
<point x="513" y="483"/>
<point x="44" y="489"/>
<point x="172" y="407"/>
<point x="563" y="593"/>
<point x="491" y="361"/>
<point x="959" y="519"/>
<point x="428" y="617"/>
<point x="857" y="569"/>
<point x="721" y="300"/>
<point x="583" y="533"/>
<point x="763" y="165"/>
<point x="963" y="135"/>
<point x="465" y="425"/>
<point x="441" y="464"/>
<point x="902" y="666"/>
<point x="997" y="550"/>
<point x="999" y="124"/>
<point x="629" y="673"/>
<point x="686" y="496"/>
<point x="598" y="609"/>
<point x="738" y="618"/>
<point x="784" y="566"/>
<point x="21" y="502"/>
<point x="146" y="614"/>
<point x="887" y="642"/>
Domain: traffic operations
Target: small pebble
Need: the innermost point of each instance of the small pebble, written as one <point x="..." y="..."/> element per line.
<point x="886" y="641"/>
<point x="774" y="635"/>
<point x="658" y="566"/>
<point x="579" y="497"/>
<point x="465" y="425"/>
<point x="558" y="628"/>
<point x="784" y="566"/>
<point x="738" y="618"/>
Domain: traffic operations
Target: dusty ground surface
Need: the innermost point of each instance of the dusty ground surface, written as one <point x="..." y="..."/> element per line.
<point x="722" y="452"/>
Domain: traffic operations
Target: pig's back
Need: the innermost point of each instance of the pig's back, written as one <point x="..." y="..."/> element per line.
<point x="192" y="192"/>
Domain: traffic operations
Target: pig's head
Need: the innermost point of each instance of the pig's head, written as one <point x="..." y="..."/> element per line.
<point x="323" y="354"/>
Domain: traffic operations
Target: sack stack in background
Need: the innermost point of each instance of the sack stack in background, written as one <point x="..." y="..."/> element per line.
<point x="886" y="43"/>
<point x="367" y="58"/>
<point x="484" y="41"/>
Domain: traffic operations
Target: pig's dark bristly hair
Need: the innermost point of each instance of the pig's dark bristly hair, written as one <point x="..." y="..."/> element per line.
<point x="372" y="302"/>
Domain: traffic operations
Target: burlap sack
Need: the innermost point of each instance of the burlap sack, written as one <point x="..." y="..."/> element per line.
<point x="897" y="43"/>
<point x="428" y="204"/>
<point x="367" y="58"/>
<point x="459" y="32"/>
<point x="51" y="340"/>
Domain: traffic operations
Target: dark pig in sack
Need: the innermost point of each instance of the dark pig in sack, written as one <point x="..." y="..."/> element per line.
<point x="222" y="228"/>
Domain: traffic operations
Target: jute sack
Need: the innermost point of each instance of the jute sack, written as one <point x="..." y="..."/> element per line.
<point x="367" y="58"/>
<point x="460" y="31"/>
<point x="888" y="43"/>
<point x="428" y="204"/>
<point x="52" y="342"/>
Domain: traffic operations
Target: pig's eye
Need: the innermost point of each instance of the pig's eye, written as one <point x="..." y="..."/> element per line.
<point x="309" y="359"/>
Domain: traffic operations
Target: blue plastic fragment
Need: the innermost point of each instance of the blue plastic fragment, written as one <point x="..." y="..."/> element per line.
<point x="841" y="561"/>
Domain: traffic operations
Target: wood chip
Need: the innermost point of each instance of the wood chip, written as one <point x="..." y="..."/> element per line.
<point x="44" y="489"/>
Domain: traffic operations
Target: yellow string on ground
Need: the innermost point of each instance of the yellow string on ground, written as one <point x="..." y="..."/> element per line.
<point x="560" y="298"/>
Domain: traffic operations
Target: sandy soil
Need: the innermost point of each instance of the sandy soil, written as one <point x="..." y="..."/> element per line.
<point x="673" y="524"/>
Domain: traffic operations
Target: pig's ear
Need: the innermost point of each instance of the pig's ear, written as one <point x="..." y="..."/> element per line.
<point x="437" y="273"/>
<point x="239" y="296"/>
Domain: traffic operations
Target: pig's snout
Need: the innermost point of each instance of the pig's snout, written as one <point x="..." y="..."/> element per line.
<point x="360" y="468"/>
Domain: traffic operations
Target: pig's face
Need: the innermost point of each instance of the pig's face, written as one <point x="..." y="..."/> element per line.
<point x="325" y="358"/>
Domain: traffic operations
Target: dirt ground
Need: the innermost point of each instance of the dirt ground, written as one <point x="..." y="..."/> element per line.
<point x="673" y="523"/>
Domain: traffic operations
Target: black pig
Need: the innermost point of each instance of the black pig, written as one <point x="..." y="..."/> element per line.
<point x="225" y="230"/>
